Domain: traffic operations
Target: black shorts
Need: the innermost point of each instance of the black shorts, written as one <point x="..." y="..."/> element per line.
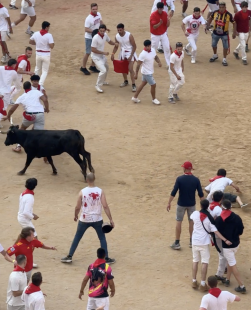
<point x="230" y="197"/>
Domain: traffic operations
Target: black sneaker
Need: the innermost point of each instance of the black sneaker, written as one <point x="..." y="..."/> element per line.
<point x="226" y="282"/>
<point x="236" y="55"/>
<point x="13" y="7"/>
<point x="219" y="278"/>
<point x="85" y="71"/>
<point x="110" y="260"/>
<point x="213" y="59"/>
<point x="67" y="259"/>
<point x="241" y="290"/>
<point x="160" y="50"/>
<point x="94" y="69"/>
<point x="244" y="63"/>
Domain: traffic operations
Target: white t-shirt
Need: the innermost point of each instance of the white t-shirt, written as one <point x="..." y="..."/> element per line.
<point x="25" y="4"/>
<point x="177" y="61"/>
<point x="25" y="211"/>
<point x="34" y="301"/>
<point x="1" y="248"/>
<point x="41" y="88"/>
<point x="200" y="236"/>
<point x="3" y="22"/>
<point x="30" y="101"/>
<point x="217" y="185"/>
<point x="168" y="2"/>
<point x="215" y="212"/>
<point x="7" y="78"/>
<point x="147" y="59"/>
<point x="91" y="210"/>
<point x="99" y="43"/>
<point x="22" y="65"/>
<point x="210" y="302"/>
<point x="17" y="282"/>
<point x="193" y="24"/>
<point x="92" y="22"/>
<point x="42" y="43"/>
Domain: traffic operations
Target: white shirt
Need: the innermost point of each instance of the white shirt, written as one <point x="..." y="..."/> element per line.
<point x="91" y="209"/>
<point x="22" y="65"/>
<point x="147" y="59"/>
<point x="1" y="248"/>
<point x="42" y="43"/>
<point x="30" y="101"/>
<point x="200" y="236"/>
<point x="177" y="61"/>
<point x="7" y="78"/>
<point x="17" y="282"/>
<point x="34" y="301"/>
<point x="34" y="88"/>
<point x="168" y="2"/>
<point x="3" y="22"/>
<point x="92" y="22"/>
<point x="215" y="212"/>
<point x="210" y="302"/>
<point x="217" y="185"/>
<point x="99" y="43"/>
<point x="25" y="211"/>
<point x="193" y="24"/>
<point x="25" y="4"/>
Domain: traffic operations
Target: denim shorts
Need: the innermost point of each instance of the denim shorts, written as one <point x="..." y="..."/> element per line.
<point x="216" y="38"/>
<point x="148" y="78"/>
<point x="88" y="47"/>
<point x="180" y="212"/>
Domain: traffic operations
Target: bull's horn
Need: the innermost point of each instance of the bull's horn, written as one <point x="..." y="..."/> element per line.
<point x="4" y="132"/>
<point x="11" y="121"/>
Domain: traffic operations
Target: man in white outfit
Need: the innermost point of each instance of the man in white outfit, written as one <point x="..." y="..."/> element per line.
<point x="190" y="26"/>
<point x="6" y="256"/>
<point x="44" y="44"/>
<point x="127" y="52"/>
<point x="91" y="199"/>
<point x="8" y="76"/>
<point x="16" y="285"/>
<point x="5" y="27"/>
<point x="98" y="56"/>
<point x="26" y="203"/>
<point x="177" y="78"/>
<point x="32" y="295"/>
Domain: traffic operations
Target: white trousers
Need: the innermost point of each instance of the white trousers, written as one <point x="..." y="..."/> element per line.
<point x="192" y="39"/>
<point x="16" y="90"/>
<point x="6" y="102"/>
<point x="175" y="84"/>
<point x="102" y="66"/>
<point x="222" y="260"/>
<point x="13" y="2"/>
<point x="94" y="303"/>
<point x="166" y="46"/>
<point x="242" y="45"/>
<point x="42" y="65"/>
<point x="26" y="223"/>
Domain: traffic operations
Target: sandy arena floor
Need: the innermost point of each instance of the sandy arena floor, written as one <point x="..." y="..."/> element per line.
<point x="137" y="151"/>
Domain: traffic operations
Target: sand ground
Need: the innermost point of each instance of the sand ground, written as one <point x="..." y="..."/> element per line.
<point x="136" y="151"/>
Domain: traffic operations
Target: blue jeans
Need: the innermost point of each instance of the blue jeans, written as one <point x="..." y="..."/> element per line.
<point x="216" y="38"/>
<point x="82" y="227"/>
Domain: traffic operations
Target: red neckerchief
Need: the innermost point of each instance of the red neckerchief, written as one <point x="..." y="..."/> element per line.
<point x="147" y="50"/>
<point x="32" y="289"/>
<point x="215" y="292"/>
<point x="8" y="68"/>
<point x="23" y="57"/>
<point x="216" y="178"/>
<point x="196" y="17"/>
<point x="38" y="87"/>
<point x="164" y="1"/>
<point x="18" y="268"/>
<point x="94" y="14"/>
<point x="102" y="35"/>
<point x="98" y="262"/>
<point x="27" y="90"/>
<point x="213" y="205"/>
<point x="176" y="52"/>
<point x="203" y="217"/>
<point x="27" y="191"/>
<point x="225" y="214"/>
<point x="1" y="6"/>
<point x="43" y="32"/>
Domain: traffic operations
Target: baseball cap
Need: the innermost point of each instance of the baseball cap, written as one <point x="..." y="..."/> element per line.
<point x="187" y="165"/>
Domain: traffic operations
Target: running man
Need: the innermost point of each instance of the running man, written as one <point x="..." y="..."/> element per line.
<point x="5" y="27"/>
<point x="127" y="52"/>
<point x="98" y="56"/>
<point x="177" y="78"/>
<point x="27" y="8"/>
<point x="44" y="44"/>
<point x="146" y="59"/>
<point x="190" y="26"/>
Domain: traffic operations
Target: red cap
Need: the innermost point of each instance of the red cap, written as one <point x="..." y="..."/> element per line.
<point x="187" y="165"/>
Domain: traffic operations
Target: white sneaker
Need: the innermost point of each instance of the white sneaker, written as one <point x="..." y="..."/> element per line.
<point x="193" y="60"/>
<point x="105" y="83"/>
<point x="184" y="14"/>
<point x="99" y="90"/>
<point x="135" y="100"/>
<point x="35" y="265"/>
<point x="4" y="59"/>
<point x="155" y="101"/>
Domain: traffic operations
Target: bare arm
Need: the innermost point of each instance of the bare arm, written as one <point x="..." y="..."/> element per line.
<point x="9" y="24"/>
<point x="21" y="71"/>
<point x="210" y="19"/>
<point x="112" y="287"/>
<point x="96" y="51"/>
<point x="236" y="187"/>
<point x="137" y="69"/>
<point x="113" y="43"/>
<point x="223" y="238"/>
<point x="7" y="257"/>
<point x="115" y="47"/>
<point x="51" y="45"/>
<point x="32" y="42"/>
<point x="173" y="70"/>
<point x="158" y="61"/>
<point x="134" y="46"/>
<point x="157" y="25"/>
<point x="45" y="247"/>
<point x="169" y="203"/>
<point x="183" y="27"/>
<point x="106" y="208"/>
<point x="237" y="298"/>
<point x="78" y="206"/>
<point x="83" y="285"/>
<point x="46" y="103"/>
<point x="17" y="293"/>
<point x="234" y="6"/>
<point x="182" y="66"/>
<point x="201" y="308"/>
<point x="12" y="110"/>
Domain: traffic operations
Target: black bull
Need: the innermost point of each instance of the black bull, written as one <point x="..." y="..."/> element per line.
<point x="48" y="143"/>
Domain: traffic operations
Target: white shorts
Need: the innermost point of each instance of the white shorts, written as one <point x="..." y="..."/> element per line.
<point x="201" y="252"/>
<point x="126" y="55"/>
<point x="229" y="254"/>
<point x="27" y="224"/>
<point x="3" y="36"/>
<point x="30" y="11"/>
<point x="94" y="303"/>
<point x="212" y="7"/>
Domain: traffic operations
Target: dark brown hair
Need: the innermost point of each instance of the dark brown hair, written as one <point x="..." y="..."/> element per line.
<point x="25" y="232"/>
<point x="93" y="5"/>
<point x="212" y="281"/>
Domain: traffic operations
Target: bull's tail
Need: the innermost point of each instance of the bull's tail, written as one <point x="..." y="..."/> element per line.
<point x="86" y="155"/>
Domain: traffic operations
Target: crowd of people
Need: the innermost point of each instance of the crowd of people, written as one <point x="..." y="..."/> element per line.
<point x="215" y="219"/>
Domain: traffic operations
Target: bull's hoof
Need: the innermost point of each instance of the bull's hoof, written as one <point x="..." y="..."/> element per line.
<point x="54" y="172"/>
<point x="20" y="173"/>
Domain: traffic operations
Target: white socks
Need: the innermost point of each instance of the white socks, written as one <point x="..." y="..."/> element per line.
<point x="203" y="283"/>
<point x="194" y="280"/>
<point x="13" y="25"/>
